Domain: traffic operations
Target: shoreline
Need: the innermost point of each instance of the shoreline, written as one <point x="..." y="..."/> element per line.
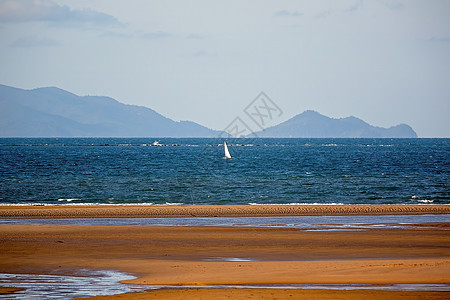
<point x="186" y="211"/>
<point x="172" y="255"/>
<point x="193" y="255"/>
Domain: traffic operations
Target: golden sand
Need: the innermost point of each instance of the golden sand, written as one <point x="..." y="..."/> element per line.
<point x="89" y="211"/>
<point x="222" y="294"/>
<point x="8" y="290"/>
<point x="198" y="255"/>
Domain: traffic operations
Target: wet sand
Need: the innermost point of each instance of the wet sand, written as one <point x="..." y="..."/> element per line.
<point x="155" y="211"/>
<point x="200" y="256"/>
<point x="8" y="290"/>
<point x="221" y="294"/>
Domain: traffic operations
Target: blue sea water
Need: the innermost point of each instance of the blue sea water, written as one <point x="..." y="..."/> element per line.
<point x="193" y="171"/>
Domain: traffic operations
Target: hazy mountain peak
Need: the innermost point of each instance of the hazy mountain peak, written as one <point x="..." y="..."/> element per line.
<point x="51" y="111"/>
<point x="310" y="112"/>
<point x="311" y="124"/>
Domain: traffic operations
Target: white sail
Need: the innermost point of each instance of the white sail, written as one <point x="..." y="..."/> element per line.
<point x="227" y="153"/>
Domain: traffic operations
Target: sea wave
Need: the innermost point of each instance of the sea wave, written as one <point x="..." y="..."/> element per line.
<point x="68" y="199"/>
<point x="425" y="201"/>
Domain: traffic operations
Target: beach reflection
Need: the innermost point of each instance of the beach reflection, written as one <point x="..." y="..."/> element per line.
<point x="88" y="284"/>
<point x="333" y="223"/>
<point x="105" y="283"/>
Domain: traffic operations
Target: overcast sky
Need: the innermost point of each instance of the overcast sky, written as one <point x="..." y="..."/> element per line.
<point x="386" y="61"/>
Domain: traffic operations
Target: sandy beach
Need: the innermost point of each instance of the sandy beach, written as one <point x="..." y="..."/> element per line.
<point x="155" y="211"/>
<point x="221" y="294"/>
<point x="201" y="255"/>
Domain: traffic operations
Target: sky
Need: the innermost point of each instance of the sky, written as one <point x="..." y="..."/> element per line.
<point x="384" y="61"/>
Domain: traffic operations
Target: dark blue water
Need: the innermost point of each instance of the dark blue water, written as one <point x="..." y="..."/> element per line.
<point x="193" y="171"/>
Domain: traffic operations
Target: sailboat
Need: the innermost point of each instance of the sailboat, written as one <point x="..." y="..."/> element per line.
<point x="227" y="153"/>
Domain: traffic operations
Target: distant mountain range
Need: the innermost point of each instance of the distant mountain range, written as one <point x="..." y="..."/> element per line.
<point x="53" y="112"/>
<point x="312" y="124"/>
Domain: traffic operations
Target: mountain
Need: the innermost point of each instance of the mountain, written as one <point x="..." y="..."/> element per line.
<point x="311" y="124"/>
<point x="53" y="112"/>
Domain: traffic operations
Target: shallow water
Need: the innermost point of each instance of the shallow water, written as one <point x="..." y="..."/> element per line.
<point x="301" y="222"/>
<point x="87" y="284"/>
<point x="379" y="287"/>
<point x="103" y="283"/>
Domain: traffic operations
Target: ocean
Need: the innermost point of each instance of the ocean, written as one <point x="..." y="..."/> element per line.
<point x="37" y="171"/>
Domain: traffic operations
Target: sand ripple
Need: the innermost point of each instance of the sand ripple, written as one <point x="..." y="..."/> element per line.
<point x="92" y="211"/>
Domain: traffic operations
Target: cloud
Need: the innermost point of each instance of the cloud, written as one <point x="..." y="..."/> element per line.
<point x="200" y="53"/>
<point x="49" y="11"/>
<point x="323" y="14"/>
<point x="154" y="35"/>
<point x="444" y="39"/>
<point x="355" y="6"/>
<point x="33" y="41"/>
<point x="281" y="13"/>
<point x="393" y="4"/>
<point x="195" y="36"/>
<point x="286" y="13"/>
<point x="117" y="35"/>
